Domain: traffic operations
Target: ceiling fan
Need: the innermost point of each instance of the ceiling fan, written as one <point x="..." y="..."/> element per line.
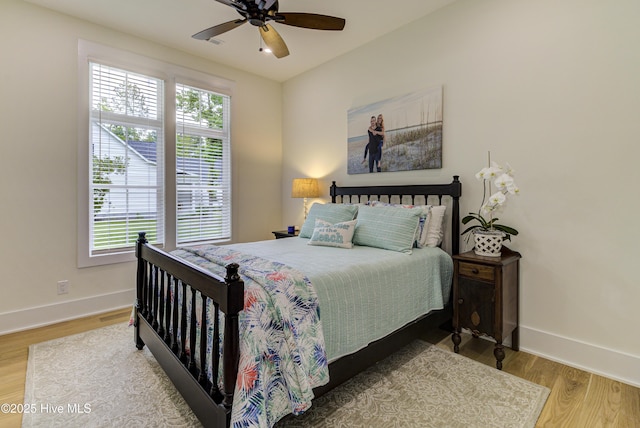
<point x="260" y="12"/>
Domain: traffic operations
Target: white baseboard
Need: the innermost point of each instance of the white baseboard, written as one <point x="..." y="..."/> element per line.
<point x="25" y="319"/>
<point x="585" y="356"/>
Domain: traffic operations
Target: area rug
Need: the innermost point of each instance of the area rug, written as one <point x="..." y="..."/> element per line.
<point x="100" y="379"/>
<point x="424" y="386"/>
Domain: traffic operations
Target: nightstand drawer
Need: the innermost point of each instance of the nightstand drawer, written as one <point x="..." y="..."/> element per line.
<point x="480" y="272"/>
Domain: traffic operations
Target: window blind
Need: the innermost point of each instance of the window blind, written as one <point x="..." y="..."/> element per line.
<point x="126" y="158"/>
<point x="203" y="179"/>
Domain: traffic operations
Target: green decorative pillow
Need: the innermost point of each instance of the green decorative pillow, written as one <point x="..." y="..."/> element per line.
<point x="390" y="228"/>
<point x="333" y="235"/>
<point x="331" y="213"/>
<point x="421" y="231"/>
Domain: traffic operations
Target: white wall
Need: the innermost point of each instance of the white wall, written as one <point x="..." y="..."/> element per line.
<point x="550" y="87"/>
<point x="38" y="163"/>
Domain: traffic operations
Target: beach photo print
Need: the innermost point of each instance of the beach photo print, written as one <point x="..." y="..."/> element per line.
<point x="403" y="133"/>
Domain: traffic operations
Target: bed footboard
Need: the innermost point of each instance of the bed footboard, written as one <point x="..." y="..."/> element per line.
<point x="167" y="317"/>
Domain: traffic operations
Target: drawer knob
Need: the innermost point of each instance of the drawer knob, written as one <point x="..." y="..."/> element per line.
<point x="475" y="271"/>
<point x="460" y="301"/>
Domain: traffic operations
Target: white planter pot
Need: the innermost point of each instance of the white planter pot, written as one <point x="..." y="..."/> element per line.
<point x="488" y="243"/>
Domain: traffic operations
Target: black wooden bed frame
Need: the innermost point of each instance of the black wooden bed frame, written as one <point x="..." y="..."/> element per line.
<point x="159" y="324"/>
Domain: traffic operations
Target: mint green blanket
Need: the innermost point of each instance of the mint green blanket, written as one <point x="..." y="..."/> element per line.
<point x="364" y="293"/>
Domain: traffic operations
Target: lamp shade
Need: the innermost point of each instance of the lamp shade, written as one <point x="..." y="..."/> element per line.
<point x="305" y="188"/>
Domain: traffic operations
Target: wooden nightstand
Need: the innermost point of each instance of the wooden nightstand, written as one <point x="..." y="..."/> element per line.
<point x="485" y="298"/>
<point x="284" y="234"/>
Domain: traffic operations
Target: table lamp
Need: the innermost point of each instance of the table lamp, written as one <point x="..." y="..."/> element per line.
<point x="305" y="188"/>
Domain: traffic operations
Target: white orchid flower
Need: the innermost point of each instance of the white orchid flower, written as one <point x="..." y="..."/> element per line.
<point x="480" y="175"/>
<point x="504" y="182"/>
<point x="487" y="208"/>
<point x="497" y="198"/>
<point x="489" y="173"/>
<point x="509" y="171"/>
<point x="495" y="201"/>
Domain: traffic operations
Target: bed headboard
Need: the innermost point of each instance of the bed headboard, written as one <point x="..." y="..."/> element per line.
<point x="414" y="194"/>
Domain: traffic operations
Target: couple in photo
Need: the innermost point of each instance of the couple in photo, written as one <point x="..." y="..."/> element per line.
<point x="376" y="140"/>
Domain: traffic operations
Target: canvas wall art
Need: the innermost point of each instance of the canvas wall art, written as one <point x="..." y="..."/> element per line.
<point x="403" y="133"/>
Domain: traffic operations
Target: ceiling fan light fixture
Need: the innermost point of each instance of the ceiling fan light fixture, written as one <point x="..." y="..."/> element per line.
<point x="264" y="49"/>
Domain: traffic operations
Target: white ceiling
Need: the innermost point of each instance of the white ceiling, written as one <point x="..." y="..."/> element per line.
<point x="173" y="22"/>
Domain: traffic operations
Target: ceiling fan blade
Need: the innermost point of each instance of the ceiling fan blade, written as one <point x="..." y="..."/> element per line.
<point x="273" y="40"/>
<point x="311" y="20"/>
<point x="218" y="29"/>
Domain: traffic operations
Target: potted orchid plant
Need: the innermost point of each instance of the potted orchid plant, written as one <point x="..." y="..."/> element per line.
<point x="489" y="234"/>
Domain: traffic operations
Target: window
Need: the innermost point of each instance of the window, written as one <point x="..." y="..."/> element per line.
<point x="126" y="145"/>
<point x="153" y="155"/>
<point x="202" y="165"/>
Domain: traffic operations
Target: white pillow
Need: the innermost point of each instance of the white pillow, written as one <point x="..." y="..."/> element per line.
<point x="333" y="235"/>
<point x="434" y="230"/>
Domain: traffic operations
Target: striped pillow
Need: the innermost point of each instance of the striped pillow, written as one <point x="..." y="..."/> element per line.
<point x="332" y="213"/>
<point x="390" y="228"/>
<point x="421" y="232"/>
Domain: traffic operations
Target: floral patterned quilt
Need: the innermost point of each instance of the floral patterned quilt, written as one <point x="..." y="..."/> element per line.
<point x="282" y="352"/>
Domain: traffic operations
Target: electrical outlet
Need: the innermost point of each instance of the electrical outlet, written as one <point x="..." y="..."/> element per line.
<point x="63" y="287"/>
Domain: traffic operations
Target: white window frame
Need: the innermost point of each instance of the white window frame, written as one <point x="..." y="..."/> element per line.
<point x="170" y="73"/>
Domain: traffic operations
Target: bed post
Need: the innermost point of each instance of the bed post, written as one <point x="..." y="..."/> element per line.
<point x="456" y="192"/>
<point x="140" y="277"/>
<point x="231" y="345"/>
<point x="332" y="192"/>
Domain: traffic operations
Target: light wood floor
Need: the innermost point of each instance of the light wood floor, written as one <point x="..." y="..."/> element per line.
<point x="577" y="399"/>
<point x="14" y="351"/>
